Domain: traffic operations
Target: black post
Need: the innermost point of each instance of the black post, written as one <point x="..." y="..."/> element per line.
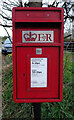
<point x="36" y="107"/>
<point x="36" y="111"/>
<point x="36" y="3"/>
<point x="21" y="4"/>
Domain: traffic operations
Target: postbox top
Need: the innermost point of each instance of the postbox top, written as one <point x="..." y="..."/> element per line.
<point x="37" y="8"/>
<point x="33" y="14"/>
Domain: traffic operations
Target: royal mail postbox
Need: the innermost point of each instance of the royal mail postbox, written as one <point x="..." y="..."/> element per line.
<point x="37" y="54"/>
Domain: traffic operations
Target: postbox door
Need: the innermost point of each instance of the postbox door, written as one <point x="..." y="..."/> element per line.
<point x="37" y="63"/>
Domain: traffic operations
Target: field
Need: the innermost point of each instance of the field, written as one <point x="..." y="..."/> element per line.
<point x="63" y="110"/>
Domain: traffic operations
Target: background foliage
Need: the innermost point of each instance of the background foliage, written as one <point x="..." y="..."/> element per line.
<point x="59" y="110"/>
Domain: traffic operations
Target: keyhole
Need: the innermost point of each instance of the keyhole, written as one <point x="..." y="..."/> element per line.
<point x="24" y="74"/>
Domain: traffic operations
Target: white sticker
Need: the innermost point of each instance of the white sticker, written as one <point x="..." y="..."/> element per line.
<point x="38" y="72"/>
<point x="38" y="51"/>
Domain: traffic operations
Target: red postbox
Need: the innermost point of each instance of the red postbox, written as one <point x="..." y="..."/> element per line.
<point x="37" y="54"/>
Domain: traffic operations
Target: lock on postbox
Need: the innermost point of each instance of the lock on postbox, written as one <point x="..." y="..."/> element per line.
<point x="37" y="54"/>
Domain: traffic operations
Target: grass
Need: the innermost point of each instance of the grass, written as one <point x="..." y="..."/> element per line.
<point x="63" y="110"/>
<point x="6" y="59"/>
<point x="0" y="44"/>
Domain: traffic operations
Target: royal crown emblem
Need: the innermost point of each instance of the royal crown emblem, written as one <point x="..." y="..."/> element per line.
<point x="30" y="36"/>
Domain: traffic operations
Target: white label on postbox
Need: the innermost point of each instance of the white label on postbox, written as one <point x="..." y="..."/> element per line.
<point x="38" y="36"/>
<point x="38" y="72"/>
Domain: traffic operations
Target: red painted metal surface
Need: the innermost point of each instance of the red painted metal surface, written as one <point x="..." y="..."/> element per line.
<point x="37" y="19"/>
